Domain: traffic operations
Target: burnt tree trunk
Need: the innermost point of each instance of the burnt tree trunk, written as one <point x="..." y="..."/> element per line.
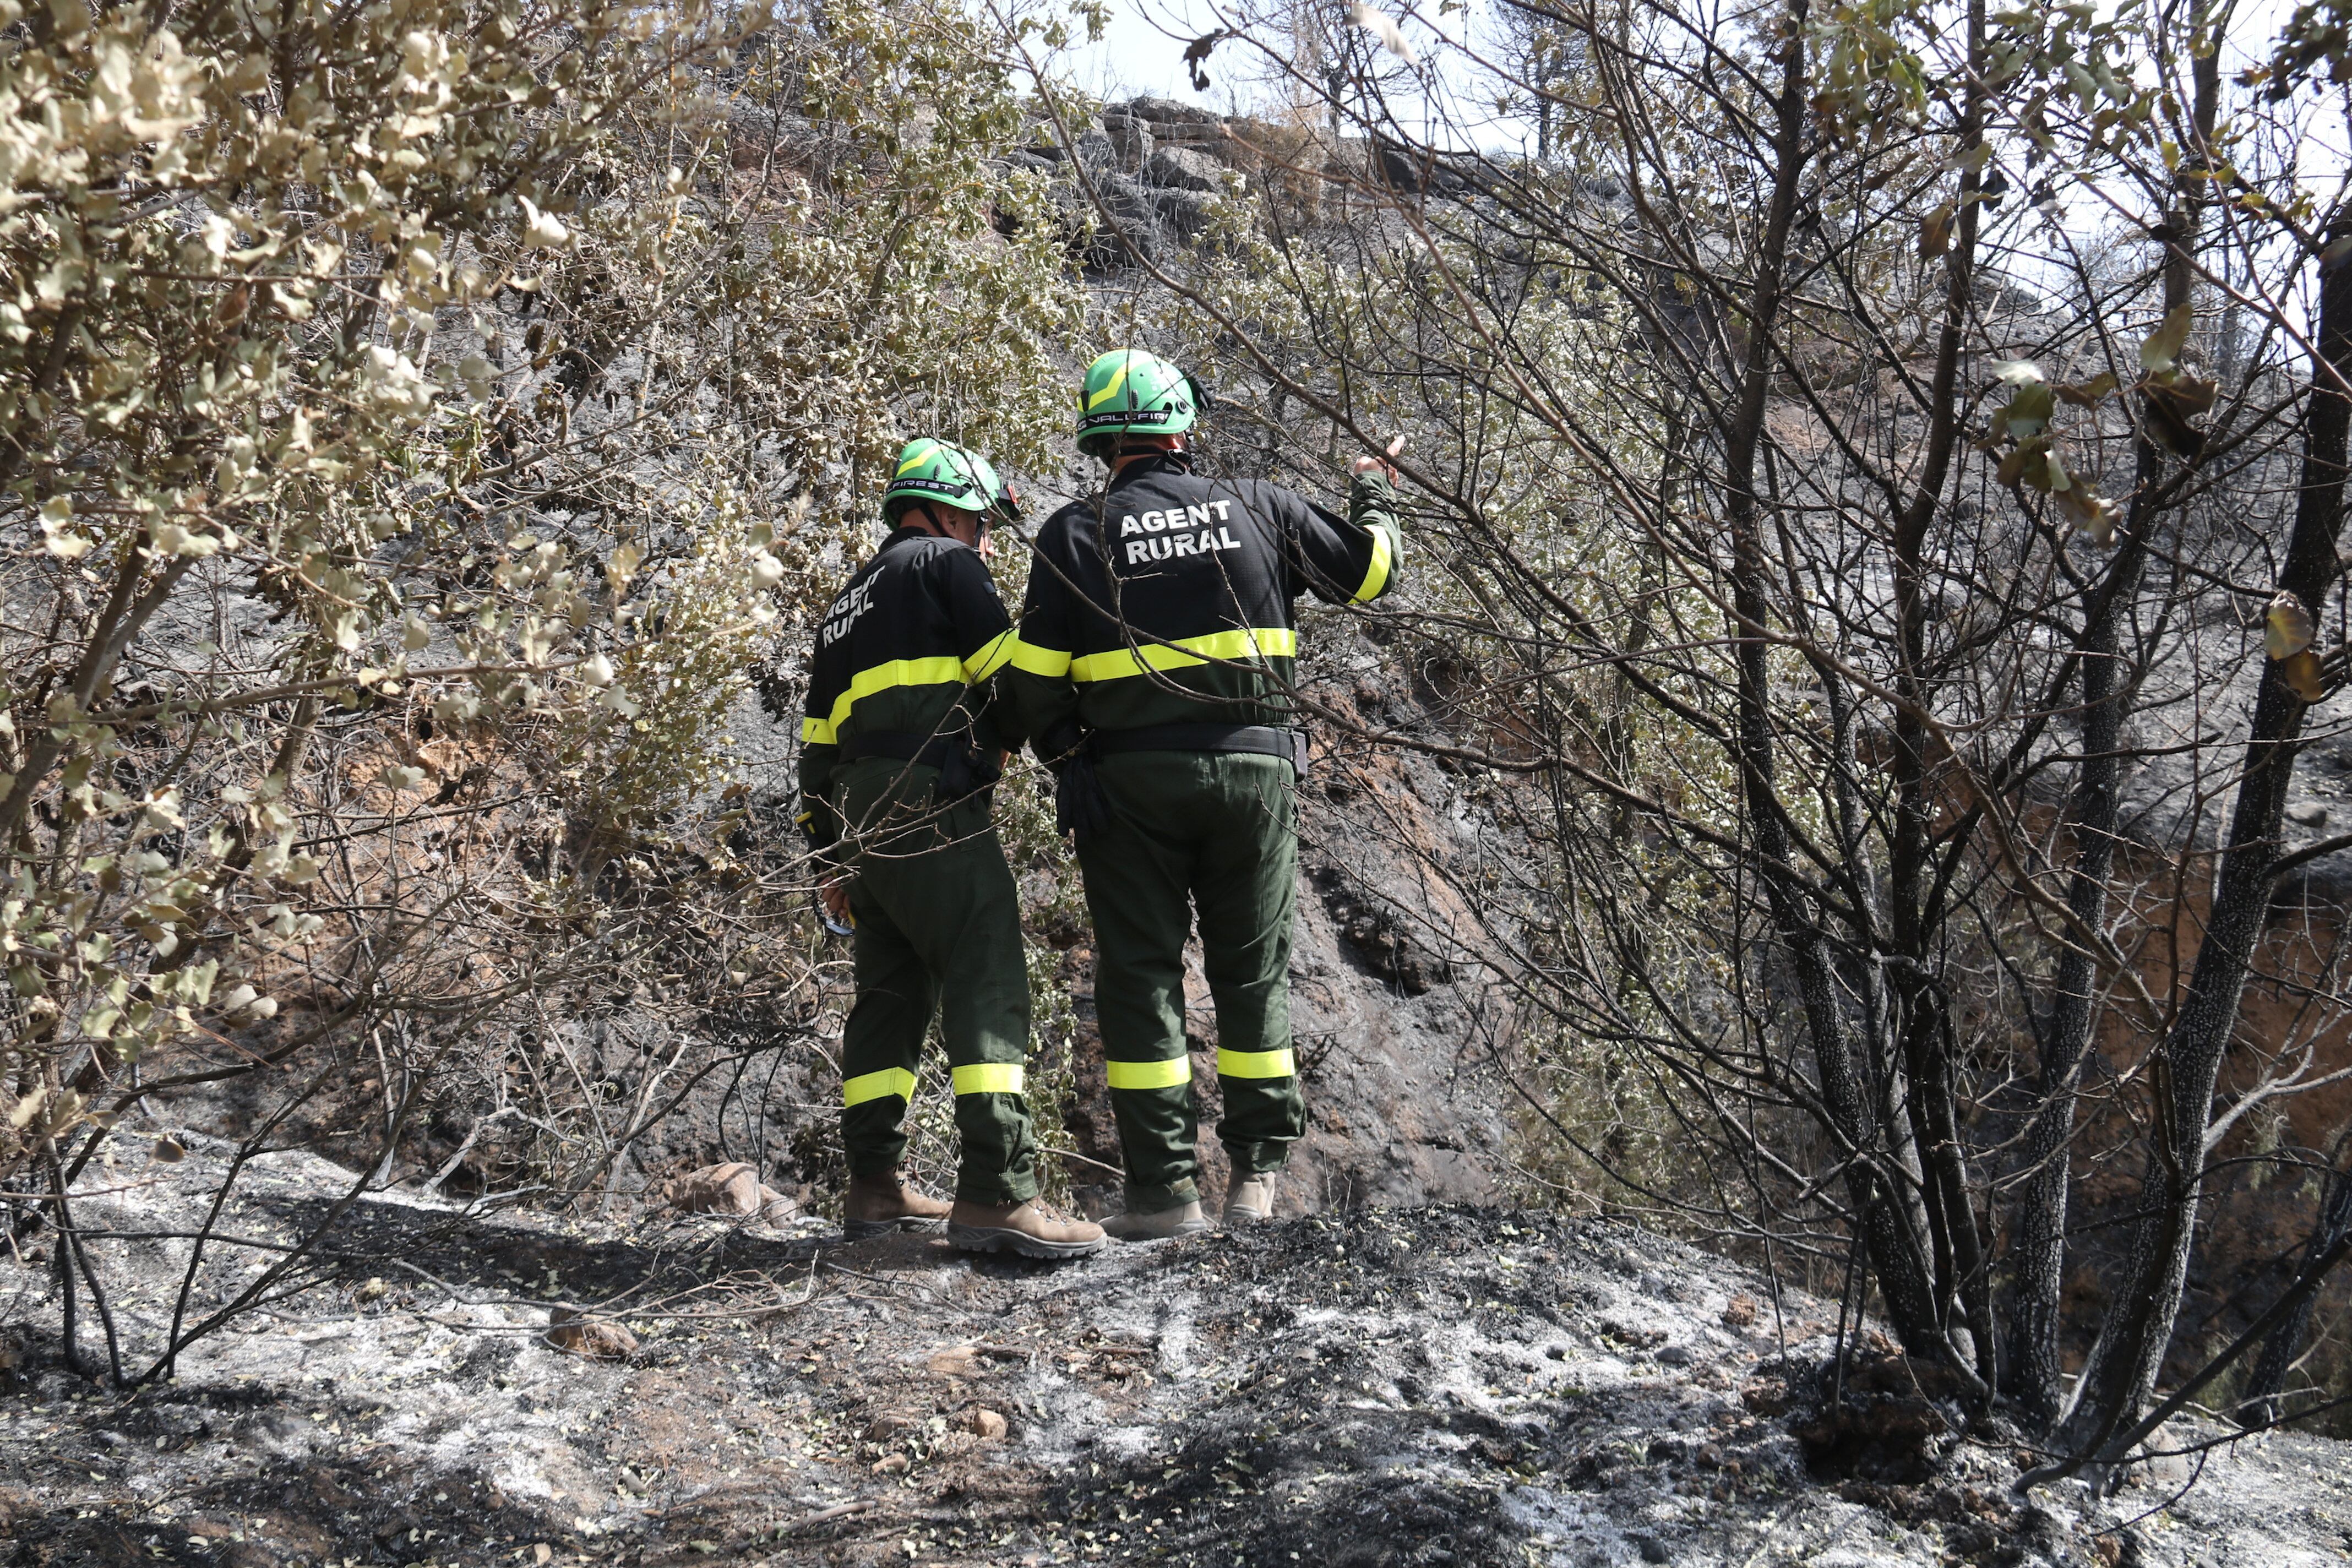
<point x="1919" y="1022"/>
<point x="1896" y="1255"/>
<point x="2037" y="1373"/>
<point x="2259" y="1404"/>
<point x="2132" y="1344"/>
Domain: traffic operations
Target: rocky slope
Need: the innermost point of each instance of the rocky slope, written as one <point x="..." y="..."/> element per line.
<point x="1431" y="1386"/>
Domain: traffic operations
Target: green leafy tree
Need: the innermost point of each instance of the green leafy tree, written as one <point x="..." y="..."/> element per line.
<point x="418" y="424"/>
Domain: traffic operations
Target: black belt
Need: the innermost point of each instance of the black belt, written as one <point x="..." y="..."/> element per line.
<point x="963" y="767"/>
<point x="1266" y="740"/>
<point x="931" y="750"/>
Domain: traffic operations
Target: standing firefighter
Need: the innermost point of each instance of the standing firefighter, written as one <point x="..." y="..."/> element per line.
<point x="1153" y="667"/>
<point x="897" y="753"/>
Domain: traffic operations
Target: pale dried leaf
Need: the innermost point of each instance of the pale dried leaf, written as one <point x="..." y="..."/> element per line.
<point x="1391" y="36"/>
<point x="1936" y="232"/>
<point x="2161" y="348"/>
<point x="2304" y="676"/>
<point x="2088" y="394"/>
<point x="2287" y="627"/>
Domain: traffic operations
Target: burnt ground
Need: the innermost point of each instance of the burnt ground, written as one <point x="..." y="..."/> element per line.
<point x="1401" y="1386"/>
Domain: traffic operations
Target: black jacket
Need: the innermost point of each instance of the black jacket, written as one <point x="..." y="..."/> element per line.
<point x="907" y="648"/>
<point x="1170" y="598"/>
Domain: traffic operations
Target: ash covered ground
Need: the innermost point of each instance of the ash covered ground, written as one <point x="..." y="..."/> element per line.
<point x="1423" y="1386"/>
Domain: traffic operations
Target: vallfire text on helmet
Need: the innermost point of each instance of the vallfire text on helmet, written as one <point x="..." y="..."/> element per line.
<point x="1132" y="392"/>
<point x="931" y="470"/>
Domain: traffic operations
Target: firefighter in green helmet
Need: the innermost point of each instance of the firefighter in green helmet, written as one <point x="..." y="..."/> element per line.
<point x="899" y="750"/>
<point x="1153" y="668"/>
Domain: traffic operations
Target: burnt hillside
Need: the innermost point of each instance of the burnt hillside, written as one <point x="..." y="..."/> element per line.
<point x="1446" y="1385"/>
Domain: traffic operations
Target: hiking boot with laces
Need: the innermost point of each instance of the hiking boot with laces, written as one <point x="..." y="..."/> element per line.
<point x="1022" y="1228"/>
<point x="1250" y="1200"/>
<point x="877" y="1205"/>
<point x="1184" y="1219"/>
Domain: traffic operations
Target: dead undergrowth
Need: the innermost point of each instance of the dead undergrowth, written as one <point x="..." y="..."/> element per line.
<point x="1439" y="1385"/>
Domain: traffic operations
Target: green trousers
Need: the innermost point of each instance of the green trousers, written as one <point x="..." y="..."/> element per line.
<point x="939" y="933"/>
<point x="1216" y="832"/>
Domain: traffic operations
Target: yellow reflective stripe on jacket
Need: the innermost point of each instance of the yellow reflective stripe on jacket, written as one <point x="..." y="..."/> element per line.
<point x="1256" y="1064"/>
<point x="940" y="671"/>
<point x="1151" y="1075"/>
<point x="1376" y="576"/>
<point x="994" y="656"/>
<point x="818" y="733"/>
<point x="1048" y="662"/>
<point x="989" y="1078"/>
<point x="1262" y="642"/>
<point x="880" y="1085"/>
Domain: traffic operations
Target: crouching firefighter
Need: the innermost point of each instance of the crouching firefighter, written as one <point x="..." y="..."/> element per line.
<point x="897" y="753"/>
<point x="1153" y="670"/>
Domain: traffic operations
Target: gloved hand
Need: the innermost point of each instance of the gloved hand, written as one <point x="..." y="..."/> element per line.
<point x="833" y="906"/>
<point x="1383" y="464"/>
<point x="1081" y="809"/>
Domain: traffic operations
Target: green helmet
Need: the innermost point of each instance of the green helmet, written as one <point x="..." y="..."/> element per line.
<point x="1129" y="391"/>
<point x="931" y="470"/>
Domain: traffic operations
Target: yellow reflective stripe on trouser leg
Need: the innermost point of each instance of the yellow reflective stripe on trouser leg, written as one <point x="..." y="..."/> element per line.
<point x="1376" y="576"/>
<point x="1256" y="1064"/>
<point x="880" y="1085"/>
<point x="989" y="1078"/>
<point x="1149" y="1075"/>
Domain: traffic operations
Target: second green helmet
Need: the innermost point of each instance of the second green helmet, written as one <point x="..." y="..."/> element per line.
<point x="1132" y="392"/>
<point x="931" y="470"/>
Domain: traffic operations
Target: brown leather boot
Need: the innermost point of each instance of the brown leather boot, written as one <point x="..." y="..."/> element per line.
<point x="1250" y="1200"/>
<point x="1022" y="1228"/>
<point x="876" y="1206"/>
<point x="1184" y="1219"/>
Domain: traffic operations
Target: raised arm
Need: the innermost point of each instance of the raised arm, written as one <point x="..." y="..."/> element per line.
<point x="1358" y="559"/>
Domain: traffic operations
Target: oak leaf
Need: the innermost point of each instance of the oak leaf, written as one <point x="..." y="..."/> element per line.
<point x="2287" y="627"/>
